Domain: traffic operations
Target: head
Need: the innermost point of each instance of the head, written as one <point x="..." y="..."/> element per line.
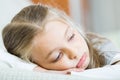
<point x="49" y="38"/>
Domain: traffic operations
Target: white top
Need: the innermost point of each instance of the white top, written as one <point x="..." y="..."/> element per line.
<point x="110" y="52"/>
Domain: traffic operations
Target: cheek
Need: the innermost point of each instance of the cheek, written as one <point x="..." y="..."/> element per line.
<point x="80" y="41"/>
<point x="62" y="64"/>
<point x="86" y="63"/>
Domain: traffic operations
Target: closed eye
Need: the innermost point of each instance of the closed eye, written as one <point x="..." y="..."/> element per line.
<point x="58" y="57"/>
<point x="71" y="37"/>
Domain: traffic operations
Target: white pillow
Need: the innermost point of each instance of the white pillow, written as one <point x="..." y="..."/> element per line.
<point x="10" y="8"/>
<point x="15" y="62"/>
<point x="104" y="73"/>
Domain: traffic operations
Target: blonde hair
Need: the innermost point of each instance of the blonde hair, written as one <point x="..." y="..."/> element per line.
<point x="18" y="35"/>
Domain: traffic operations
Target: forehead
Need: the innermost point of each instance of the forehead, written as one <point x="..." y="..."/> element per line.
<point x="51" y="37"/>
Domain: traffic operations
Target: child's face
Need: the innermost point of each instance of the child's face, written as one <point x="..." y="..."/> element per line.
<point x="60" y="47"/>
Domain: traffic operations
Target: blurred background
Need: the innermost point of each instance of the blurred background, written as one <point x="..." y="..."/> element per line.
<point x="99" y="16"/>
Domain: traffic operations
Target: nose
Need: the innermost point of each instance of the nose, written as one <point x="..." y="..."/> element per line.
<point x="73" y="57"/>
<point x="70" y="52"/>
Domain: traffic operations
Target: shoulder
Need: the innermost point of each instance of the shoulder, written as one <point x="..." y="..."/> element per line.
<point x="115" y="59"/>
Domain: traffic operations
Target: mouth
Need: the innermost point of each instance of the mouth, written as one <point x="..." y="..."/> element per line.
<point x="82" y="60"/>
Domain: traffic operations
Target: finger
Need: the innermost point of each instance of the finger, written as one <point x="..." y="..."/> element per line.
<point x="68" y="71"/>
<point x="76" y="70"/>
<point x="38" y="68"/>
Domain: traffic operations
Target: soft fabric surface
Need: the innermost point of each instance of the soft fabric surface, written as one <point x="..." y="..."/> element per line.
<point x="107" y="73"/>
<point x="17" y="74"/>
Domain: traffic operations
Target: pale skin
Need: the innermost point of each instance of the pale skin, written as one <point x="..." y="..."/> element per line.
<point x="60" y="48"/>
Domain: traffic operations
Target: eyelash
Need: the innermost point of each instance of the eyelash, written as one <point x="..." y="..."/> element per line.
<point x="71" y="37"/>
<point x="59" y="56"/>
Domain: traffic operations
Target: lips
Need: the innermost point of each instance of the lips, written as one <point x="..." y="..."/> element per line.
<point x="81" y="61"/>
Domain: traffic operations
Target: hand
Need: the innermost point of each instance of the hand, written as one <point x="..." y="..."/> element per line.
<point x="68" y="71"/>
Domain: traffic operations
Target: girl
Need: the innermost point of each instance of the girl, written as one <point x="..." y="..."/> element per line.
<point x="49" y="38"/>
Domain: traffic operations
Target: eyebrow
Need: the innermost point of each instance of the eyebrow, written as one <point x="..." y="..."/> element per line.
<point x="66" y="30"/>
